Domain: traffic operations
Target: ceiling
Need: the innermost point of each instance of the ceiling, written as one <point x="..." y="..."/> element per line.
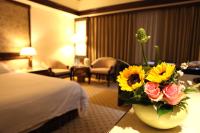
<point x="81" y="5"/>
<point x="88" y="7"/>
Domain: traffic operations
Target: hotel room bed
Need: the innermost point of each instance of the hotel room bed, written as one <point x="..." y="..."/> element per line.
<point x="27" y="100"/>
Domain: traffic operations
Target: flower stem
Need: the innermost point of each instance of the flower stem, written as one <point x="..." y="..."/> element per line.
<point x="144" y="57"/>
<point x="157" y="54"/>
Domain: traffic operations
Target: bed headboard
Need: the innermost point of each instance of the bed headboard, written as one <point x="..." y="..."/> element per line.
<point x="10" y="56"/>
<point x="15" y="32"/>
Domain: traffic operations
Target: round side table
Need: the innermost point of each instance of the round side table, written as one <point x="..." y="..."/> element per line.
<point x="81" y="72"/>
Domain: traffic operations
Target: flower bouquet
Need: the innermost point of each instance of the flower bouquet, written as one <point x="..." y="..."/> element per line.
<point x="157" y="87"/>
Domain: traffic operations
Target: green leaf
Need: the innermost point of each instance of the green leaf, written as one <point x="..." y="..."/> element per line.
<point x="184" y="99"/>
<point x="183" y="104"/>
<point x="164" y="109"/>
<point x="147" y="68"/>
<point x="135" y="97"/>
<point x="190" y="89"/>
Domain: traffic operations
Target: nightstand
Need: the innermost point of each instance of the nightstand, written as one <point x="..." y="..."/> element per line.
<point x="41" y="71"/>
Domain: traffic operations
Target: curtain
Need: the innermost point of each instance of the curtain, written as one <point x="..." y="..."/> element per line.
<point x="174" y="30"/>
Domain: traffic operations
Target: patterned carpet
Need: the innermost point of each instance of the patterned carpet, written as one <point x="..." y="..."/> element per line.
<point x="102" y="113"/>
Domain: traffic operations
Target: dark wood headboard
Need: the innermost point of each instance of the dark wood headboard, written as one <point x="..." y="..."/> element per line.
<point x="10" y="56"/>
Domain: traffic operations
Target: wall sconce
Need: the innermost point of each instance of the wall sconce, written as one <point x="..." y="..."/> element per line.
<point x="28" y="52"/>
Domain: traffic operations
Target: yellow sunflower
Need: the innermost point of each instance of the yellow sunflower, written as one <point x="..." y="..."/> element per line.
<point x="131" y="78"/>
<point x="161" y="72"/>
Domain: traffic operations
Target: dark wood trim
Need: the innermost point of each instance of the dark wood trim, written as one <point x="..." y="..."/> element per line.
<point x="56" y="6"/>
<point x="29" y="25"/>
<point x="125" y="6"/>
<point x="82" y="18"/>
<point x="57" y="122"/>
<point x="10" y="56"/>
<point x="19" y="3"/>
<point x="138" y="4"/>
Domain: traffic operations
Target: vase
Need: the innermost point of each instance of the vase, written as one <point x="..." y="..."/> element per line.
<point x="148" y="115"/>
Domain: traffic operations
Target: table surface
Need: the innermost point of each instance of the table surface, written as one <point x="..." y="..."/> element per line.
<point x="80" y="66"/>
<point x="130" y="123"/>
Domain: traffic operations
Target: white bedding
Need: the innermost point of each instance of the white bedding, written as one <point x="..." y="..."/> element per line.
<point x="28" y="99"/>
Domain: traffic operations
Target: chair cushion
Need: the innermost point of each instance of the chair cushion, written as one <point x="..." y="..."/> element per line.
<point x="194" y="64"/>
<point x="99" y="70"/>
<point x="58" y="72"/>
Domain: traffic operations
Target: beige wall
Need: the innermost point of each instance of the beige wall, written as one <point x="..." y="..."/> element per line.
<point x="51" y="33"/>
<point x="74" y="4"/>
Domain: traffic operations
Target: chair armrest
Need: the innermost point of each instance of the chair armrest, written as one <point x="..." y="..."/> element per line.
<point x="111" y="68"/>
<point x="50" y="69"/>
<point x="51" y="73"/>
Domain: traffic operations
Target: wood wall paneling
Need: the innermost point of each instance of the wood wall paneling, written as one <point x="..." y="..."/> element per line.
<point x="56" y="6"/>
<point x="15" y="28"/>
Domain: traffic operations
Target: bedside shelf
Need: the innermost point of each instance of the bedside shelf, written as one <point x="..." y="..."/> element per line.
<point x="40" y="71"/>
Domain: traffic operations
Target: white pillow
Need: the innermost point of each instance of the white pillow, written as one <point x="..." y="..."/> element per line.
<point x="4" y="68"/>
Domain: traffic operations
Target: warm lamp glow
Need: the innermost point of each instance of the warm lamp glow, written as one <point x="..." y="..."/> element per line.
<point x="28" y="51"/>
<point x="80" y="50"/>
<point x="79" y="38"/>
<point x="65" y="54"/>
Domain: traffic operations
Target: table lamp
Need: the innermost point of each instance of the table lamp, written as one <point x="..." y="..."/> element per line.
<point x="28" y="52"/>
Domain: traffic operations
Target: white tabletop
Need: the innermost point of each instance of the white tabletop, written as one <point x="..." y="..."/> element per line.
<point x="131" y="124"/>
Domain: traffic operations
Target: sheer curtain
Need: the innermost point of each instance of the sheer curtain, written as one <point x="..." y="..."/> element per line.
<point x="174" y="30"/>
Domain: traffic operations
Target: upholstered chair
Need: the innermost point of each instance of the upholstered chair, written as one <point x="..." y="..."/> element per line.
<point x="58" y="69"/>
<point x="193" y="68"/>
<point x="194" y="64"/>
<point x="104" y="66"/>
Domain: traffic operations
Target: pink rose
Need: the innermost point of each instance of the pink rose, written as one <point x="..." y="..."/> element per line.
<point x="153" y="91"/>
<point x="172" y="94"/>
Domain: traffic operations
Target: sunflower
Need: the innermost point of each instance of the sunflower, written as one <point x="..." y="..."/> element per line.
<point x="161" y="72"/>
<point x="131" y="78"/>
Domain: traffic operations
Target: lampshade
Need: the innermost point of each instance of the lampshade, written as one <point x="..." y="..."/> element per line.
<point x="28" y="51"/>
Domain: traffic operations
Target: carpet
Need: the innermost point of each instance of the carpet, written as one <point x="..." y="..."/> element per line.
<point x="102" y="113"/>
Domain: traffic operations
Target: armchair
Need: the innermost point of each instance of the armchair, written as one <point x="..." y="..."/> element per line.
<point x="104" y="66"/>
<point x="193" y="68"/>
<point x="59" y="69"/>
